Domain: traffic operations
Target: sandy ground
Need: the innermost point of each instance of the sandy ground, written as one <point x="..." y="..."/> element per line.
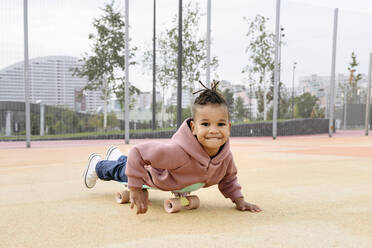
<point x="315" y="192"/>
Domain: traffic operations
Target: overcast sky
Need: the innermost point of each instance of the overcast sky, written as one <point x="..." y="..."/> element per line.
<point x="61" y="28"/>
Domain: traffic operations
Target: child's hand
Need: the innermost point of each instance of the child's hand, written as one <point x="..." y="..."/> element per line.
<point x="242" y="205"/>
<point x="140" y="198"/>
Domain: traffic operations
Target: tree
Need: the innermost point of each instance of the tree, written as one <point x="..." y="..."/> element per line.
<point x="61" y="120"/>
<point x="304" y="105"/>
<point x="172" y="111"/>
<point x="193" y="54"/>
<point x="317" y="112"/>
<point x="285" y="104"/>
<point x="103" y="66"/>
<point x="229" y="97"/>
<point x="284" y="101"/>
<point x="261" y="49"/>
<point x="260" y="70"/>
<point x="159" y="110"/>
<point x="251" y="93"/>
<point x="353" y="79"/>
<point x="120" y="94"/>
<point x="239" y="109"/>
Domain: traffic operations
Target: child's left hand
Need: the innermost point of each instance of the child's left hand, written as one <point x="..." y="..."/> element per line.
<point x="242" y="205"/>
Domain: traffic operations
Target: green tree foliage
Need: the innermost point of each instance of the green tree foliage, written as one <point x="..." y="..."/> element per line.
<point x="317" y="112"/>
<point x="260" y="69"/>
<point x="251" y="93"/>
<point x="105" y="65"/>
<point x="62" y="120"/>
<point x="120" y="94"/>
<point x="261" y="54"/>
<point x="353" y="80"/>
<point x="229" y="97"/>
<point x="172" y="110"/>
<point x="193" y="54"/>
<point x="35" y="124"/>
<point x="284" y="102"/>
<point x="240" y="112"/>
<point x="305" y="105"/>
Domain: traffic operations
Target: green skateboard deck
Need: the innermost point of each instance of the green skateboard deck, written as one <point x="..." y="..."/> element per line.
<point x="187" y="189"/>
<point x="172" y="205"/>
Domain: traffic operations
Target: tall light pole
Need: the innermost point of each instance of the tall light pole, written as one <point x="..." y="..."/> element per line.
<point x="333" y="68"/>
<point x="208" y="72"/>
<point x="26" y="75"/>
<point x="126" y="97"/>
<point x="154" y="72"/>
<point x="276" y="69"/>
<point x="179" y="78"/>
<point x="293" y="79"/>
<point x="280" y="66"/>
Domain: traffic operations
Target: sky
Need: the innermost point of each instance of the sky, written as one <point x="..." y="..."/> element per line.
<point x="62" y="27"/>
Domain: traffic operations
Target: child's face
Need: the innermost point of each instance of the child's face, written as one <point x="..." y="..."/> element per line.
<point x="211" y="126"/>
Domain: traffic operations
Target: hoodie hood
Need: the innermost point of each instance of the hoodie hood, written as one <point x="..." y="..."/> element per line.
<point x="190" y="144"/>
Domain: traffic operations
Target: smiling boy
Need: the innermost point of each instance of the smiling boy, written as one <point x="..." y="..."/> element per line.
<point x="199" y="152"/>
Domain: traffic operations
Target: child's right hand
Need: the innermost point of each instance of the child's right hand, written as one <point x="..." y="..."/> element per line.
<point x="140" y="198"/>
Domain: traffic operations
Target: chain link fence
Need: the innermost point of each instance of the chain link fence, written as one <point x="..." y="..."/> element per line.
<point x="64" y="104"/>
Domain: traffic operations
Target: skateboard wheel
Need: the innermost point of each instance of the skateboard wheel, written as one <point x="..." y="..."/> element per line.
<point x="194" y="202"/>
<point x="122" y="197"/>
<point x="172" y="205"/>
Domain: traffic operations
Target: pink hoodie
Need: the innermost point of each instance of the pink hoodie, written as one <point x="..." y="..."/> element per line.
<point x="180" y="163"/>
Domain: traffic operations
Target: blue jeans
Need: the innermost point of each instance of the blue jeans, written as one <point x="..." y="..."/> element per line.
<point x="112" y="170"/>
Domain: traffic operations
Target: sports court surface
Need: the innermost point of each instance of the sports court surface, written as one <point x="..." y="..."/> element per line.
<point x="315" y="191"/>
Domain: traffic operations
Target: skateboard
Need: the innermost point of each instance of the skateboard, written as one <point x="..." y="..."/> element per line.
<point x="182" y="197"/>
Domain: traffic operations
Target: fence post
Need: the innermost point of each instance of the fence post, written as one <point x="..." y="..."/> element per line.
<point x="42" y="118"/>
<point x="276" y="70"/>
<point x="126" y="97"/>
<point x="332" y="87"/>
<point x="8" y="123"/>
<point x="368" y="95"/>
<point x="26" y="75"/>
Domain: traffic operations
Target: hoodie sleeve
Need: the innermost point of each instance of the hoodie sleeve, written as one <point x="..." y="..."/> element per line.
<point x="229" y="185"/>
<point x="156" y="155"/>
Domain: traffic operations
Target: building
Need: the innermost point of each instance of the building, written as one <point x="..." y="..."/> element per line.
<point x="144" y="100"/>
<point x="52" y="82"/>
<point x="248" y="96"/>
<point x="187" y="98"/>
<point x="142" y="109"/>
<point x="319" y="86"/>
<point x="315" y="85"/>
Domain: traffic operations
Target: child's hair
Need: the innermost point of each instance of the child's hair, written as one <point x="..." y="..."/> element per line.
<point x="208" y="96"/>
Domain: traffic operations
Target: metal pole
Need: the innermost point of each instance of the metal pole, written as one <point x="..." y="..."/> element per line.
<point x="179" y="84"/>
<point x="280" y="67"/>
<point x="126" y="97"/>
<point x="332" y="88"/>
<point x="276" y="69"/>
<point x="208" y="73"/>
<point x="26" y="75"/>
<point x="8" y="123"/>
<point x="293" y="78"/>
<point x="368" y="95"/>
<point x="42" y="118"/>
<point x="154" y="72"/>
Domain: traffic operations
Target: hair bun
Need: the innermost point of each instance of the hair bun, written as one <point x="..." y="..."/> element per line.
<point x="213" y="86"/>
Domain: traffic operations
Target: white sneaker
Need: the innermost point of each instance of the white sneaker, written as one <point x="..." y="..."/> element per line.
<point x="90" y="176"/>
<point x="113" y="153"/>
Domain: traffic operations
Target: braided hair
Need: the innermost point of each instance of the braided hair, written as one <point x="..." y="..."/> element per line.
<point x="208" y="96"/>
